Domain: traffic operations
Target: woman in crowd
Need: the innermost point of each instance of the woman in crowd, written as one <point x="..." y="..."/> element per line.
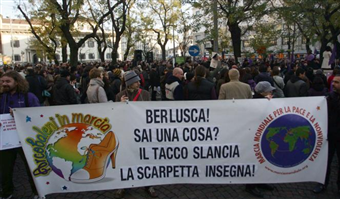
<point x="95" y="92"/>
<point x="200" y="88"/>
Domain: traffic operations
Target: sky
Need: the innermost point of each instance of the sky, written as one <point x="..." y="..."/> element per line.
<point x="8" y="8"/>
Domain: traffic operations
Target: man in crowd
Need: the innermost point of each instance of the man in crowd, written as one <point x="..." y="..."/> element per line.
<point x="133" y="92"/>
<point x="15" y="94"/>
<point x="154" y="81"/>
<point x="174" y="86"/>
<point x="333" y="102"/>
<point x="296" y="87"/>
<point x="63" y="92"/>
<point x="264" y="75"/>
<point x="235" y="89"/>
<point x="36" y="84"/>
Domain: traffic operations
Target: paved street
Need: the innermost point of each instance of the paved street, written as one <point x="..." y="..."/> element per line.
<point x="204" y="191"/>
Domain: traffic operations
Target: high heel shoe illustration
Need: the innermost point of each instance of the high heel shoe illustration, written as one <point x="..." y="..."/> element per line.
<point x="98" y="157"/>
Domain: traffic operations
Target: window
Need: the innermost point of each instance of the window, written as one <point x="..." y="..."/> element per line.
<point x="91" y="56"/>
<point x="90" y="44"/>
<point x="284" y="41"/>
<point x="16" y="43"/>
<point x="82" y="56"/>
<point x="17" y="58"/>
<point x="273" y="42"/>
<point x="108" y="56"/>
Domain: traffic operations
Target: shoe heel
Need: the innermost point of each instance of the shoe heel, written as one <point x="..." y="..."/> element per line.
<point x="113" y="157"/>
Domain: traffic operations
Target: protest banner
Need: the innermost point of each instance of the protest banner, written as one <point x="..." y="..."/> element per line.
<point x="8" y="133"/>
<point x="122" y="145"/>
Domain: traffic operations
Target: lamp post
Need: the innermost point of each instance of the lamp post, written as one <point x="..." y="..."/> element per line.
<point x="174" y="50"/>
<point x="215" y="46"/>
<point x="12" y="44"/>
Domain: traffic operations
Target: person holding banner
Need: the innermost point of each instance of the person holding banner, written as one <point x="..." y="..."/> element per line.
<point x="133" y="92"/>
<point x="15" y="95"/>
<point x="333" y="102"/>
<point x="263" y="89"/>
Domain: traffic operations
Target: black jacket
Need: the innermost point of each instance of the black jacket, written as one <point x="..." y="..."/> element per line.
<point x="115" y="88"/>
<point x="264" y="76"/>
<point x="36" y="86"/>
<point x="63" y="93"/>
<point x="154" y="78"/>
<point x="204" y="91"/>
<point x="296" y="87"/>
<point x="333" y="102"/>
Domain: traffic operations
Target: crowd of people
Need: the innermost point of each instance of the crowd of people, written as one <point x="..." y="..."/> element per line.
<point x="215" y="79"/>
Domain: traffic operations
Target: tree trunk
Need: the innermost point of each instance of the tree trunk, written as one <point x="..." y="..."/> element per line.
<point x="114" y="55"/>
<point x="100" y="51"/>
<point x="64" y="53"/>
<point x="55" y="59"/>
<point x="126" y="54"/>
<point x="114" y="52"/>
<point x="102" y="56"/>
<point x="163" y="52"/>
<point x="307" y="44"/>
<point x="337" y="43"/>
<point x="324" y="43"/>
<point x="235" y="32"/>
<point x="74" y="55"/>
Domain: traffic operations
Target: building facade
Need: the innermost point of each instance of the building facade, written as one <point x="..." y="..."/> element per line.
<point x="16" y="44"/>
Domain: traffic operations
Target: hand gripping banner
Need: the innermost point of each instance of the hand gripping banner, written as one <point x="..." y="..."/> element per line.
<point x="119" y="145"/>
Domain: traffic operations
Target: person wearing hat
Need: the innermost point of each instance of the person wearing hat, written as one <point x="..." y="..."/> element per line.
<point x="63" y="92"/>
<point x="133" y="92"/>
<point x="264" y="90"/>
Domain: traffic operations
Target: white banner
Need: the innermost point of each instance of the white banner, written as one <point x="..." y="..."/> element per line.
<point x="8" y="133"/>
<point x="119" y="145"/>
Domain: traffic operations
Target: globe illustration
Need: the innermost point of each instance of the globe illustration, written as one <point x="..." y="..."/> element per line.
<point x="67" y="148"/>
<point x="288" y="141"/>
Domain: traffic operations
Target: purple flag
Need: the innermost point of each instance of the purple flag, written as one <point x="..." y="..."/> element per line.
<point x="250" y="61"/>
<point x="332" y="59"/>
<point x="292" y="60"/>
